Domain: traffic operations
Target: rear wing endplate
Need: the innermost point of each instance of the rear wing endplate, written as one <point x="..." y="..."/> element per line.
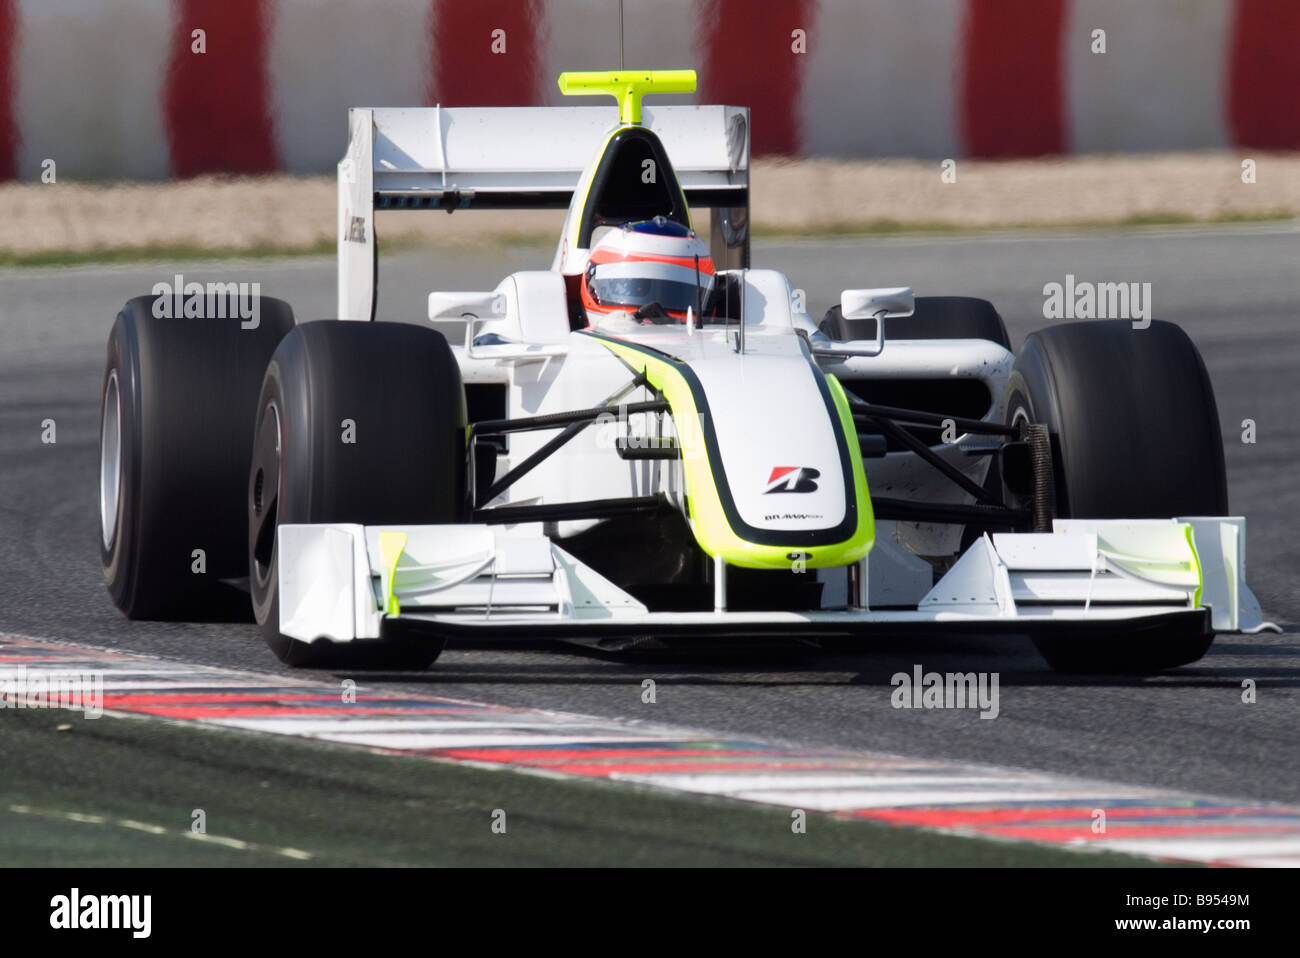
<point x="431" y="158"/>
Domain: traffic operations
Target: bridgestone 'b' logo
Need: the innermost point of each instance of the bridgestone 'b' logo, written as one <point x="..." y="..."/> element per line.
<point x="792" y="479"/>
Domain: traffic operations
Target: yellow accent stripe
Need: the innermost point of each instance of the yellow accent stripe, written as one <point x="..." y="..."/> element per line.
<point x="391" y="546"/>
<point x="1196" y="560"/>
<point x="579" y="204"/>
<point x="865" y="537"/>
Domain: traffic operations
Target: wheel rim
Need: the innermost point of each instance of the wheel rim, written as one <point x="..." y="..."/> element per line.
<point x="264" y="493"/>
<point x="110" y="461"/>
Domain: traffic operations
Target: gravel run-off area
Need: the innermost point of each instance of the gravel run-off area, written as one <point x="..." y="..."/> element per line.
<point x="294" y="213"/>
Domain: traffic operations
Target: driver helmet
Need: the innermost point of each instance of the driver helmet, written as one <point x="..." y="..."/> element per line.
<point x="644" y="263"/>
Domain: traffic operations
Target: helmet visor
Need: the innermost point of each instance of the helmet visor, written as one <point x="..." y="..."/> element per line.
<point x="637" y="283"/>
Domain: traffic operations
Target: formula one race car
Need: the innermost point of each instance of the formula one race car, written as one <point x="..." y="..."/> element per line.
<point x="652" y="442"/>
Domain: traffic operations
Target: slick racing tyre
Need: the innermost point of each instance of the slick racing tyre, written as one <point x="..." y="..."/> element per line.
<point x="175" y="406"/>
<point x="1135" y="435"/>
<point x="357" y="422"/>
<point x="936" y="317"/>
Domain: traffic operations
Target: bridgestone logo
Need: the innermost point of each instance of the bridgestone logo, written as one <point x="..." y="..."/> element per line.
<point x="792" y="479"/>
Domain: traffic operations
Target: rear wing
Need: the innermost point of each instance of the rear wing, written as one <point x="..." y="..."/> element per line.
<point x="431" y="158"/>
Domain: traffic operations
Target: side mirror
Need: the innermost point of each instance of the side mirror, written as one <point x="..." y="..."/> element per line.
<point x="457" y="306"/>
<point x="889" y="303"/>
<point x="893" y="302"/>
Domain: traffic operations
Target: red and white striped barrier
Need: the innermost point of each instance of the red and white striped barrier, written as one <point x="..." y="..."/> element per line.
<point x="119" y="88"/>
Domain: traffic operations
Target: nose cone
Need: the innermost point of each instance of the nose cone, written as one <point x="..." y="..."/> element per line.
<point x="784" y="459"/>
<point x="779" y="445"/>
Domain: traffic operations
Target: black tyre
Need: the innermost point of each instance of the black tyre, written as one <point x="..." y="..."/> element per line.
<point x="177" y="398"/>
<point x="400" y="387"/>
<point x="936" y="317"/>
<point x="1135" y="435"/>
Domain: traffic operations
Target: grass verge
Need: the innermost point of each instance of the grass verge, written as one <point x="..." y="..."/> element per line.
<point x="125" y="791"/>
<point x="887" y="227"/>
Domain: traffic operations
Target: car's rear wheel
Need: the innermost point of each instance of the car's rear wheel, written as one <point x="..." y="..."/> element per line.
<point x="360" y="423"/>
<point x="1135" y="435"/>
<point x="177" y="397"/>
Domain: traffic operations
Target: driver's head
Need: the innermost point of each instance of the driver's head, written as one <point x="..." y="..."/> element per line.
<point x="649" y="261"/>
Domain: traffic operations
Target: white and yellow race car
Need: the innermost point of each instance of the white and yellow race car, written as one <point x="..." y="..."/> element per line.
<point x="651" y="441"/>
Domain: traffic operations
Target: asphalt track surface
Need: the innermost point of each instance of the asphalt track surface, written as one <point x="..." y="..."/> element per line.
<point x="1235" y="289"/>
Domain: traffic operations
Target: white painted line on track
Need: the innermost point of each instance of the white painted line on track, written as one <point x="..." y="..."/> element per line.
<point x="228" y="842"/>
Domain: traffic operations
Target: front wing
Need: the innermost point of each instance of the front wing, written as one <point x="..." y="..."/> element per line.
<point x="345" y="582"/>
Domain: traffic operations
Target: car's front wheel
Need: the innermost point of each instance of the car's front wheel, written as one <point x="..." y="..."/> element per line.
<point x="1135" y="435"/>
<point x="359" y="423"/>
